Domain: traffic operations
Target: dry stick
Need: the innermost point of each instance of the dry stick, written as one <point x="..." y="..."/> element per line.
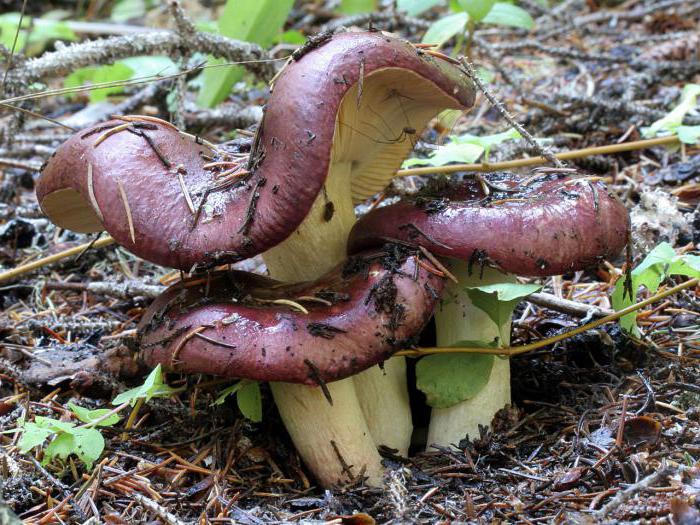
<point x="632" y="490"/>
<point x="156" y="509"/>
<point x="472" y="74"/>
<point x="535" y="161"/>
<point x="567" y="306"/>
<point x="45" y="261"/>
<point x="20" y="164"/>
<point x="517" y="350"/>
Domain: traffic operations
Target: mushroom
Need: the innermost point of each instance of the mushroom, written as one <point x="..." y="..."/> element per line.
<point x="487" y="231"/>
<point x="238" y="324"/>
<point x="357" y="104"/>
<point x="342" y="116"/>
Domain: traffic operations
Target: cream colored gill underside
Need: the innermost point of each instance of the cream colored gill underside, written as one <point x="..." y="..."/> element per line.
<point x="372" y="138"/>
<point x="68" y="209"/>
<point x="378" y="123"/>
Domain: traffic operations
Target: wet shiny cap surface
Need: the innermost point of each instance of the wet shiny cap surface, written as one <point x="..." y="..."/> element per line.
<point x="237" y="324"/>
<point x="546" y="224"/>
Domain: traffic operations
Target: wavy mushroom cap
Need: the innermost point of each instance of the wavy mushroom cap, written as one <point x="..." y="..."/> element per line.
<point x="243" y="325"/>
<point x="353" y="102"/>
<point x="547" y="225"/>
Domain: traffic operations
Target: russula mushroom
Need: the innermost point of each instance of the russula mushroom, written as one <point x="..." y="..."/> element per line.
<point x="342" y="116"/>
<point x="341" y="120"/>
<point x="487" y="231"/>
<point x="237" y="324"/>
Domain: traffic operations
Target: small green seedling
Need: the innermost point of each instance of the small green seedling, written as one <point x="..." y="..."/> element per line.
<point x="661" y="263"/>
<point x="672" y="122"/>
<point x="463" y="149"/>
<point x="467" y="15"/>
<point x="85" y="441"/>
<point x="248" y="397"/>
<point x="67" y="438"/>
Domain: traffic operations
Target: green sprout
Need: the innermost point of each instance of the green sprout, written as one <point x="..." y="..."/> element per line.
<point x="467" y="14"/>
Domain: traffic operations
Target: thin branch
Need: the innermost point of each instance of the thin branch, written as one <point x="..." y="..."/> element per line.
<point x="633" y="489"/>
<point x="108" y="50"/>
<point x="23" y="269"/>
<point x="498" y="106"/>
<point x="566" y="306"/>
<point x="522" y="349"/>
<point x="14" y="46"/>
<point x="538" y="161"/>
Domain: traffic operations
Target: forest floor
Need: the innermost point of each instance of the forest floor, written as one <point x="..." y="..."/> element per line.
<point x="603" y="427"/>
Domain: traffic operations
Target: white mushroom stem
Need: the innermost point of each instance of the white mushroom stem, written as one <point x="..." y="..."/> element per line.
<point x="383" y="395"/>
<point x="333" y="440"/>
<point x="457" y="319"/>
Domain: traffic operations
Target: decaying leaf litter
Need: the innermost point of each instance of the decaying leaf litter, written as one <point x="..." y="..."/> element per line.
<point x="605" y="427"/>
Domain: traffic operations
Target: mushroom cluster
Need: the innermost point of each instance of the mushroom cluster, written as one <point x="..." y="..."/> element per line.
<point x="342" y="116"/>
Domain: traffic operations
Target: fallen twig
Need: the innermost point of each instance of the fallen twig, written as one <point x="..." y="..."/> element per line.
<point x="537" y="161"/>
<point x="522" y="349"/>
<point x="50" y="259"/>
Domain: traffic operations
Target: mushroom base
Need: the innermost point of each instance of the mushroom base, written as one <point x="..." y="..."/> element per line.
<point x="383" y="396"/>
<point x="333" y="440"/>
<point x="457" y="319"/>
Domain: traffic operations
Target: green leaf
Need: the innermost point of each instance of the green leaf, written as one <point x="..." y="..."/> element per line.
<point x="505" y="14"/>
<point x="463" y="149"/>
<point x="659" y="264"/>
<point x="54" y="425"/>
<point x="449" y="153"/>
<point x="152" y="387"/>
<point x="32" y="436"/>
<point x="88" y="416"/>
<point x="126" y="69"/>
<point x="352" y="7"/>
<point x="256" y="21"/>
<point x="445" y="28"/>
<point x="228" y="391"/>
<point x="487" y="141"/>
<point x="124" y="10"/>
<point x="61" y="447"/>
<point x="448" y="379"/>
<point x="293" y="37"/>
<point x="96" y="75"/>
<point x="499" y="300"/>
<point x="477" y="9"/>
<point x="486" y="75"/>
<point x="689" y="134"/>
<point x="675" y="117"/>
<point x="416" y="7"/>
<point x="250" y="401"/>
<point x="88" y="445"/>
<point x="35" y="34"/>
